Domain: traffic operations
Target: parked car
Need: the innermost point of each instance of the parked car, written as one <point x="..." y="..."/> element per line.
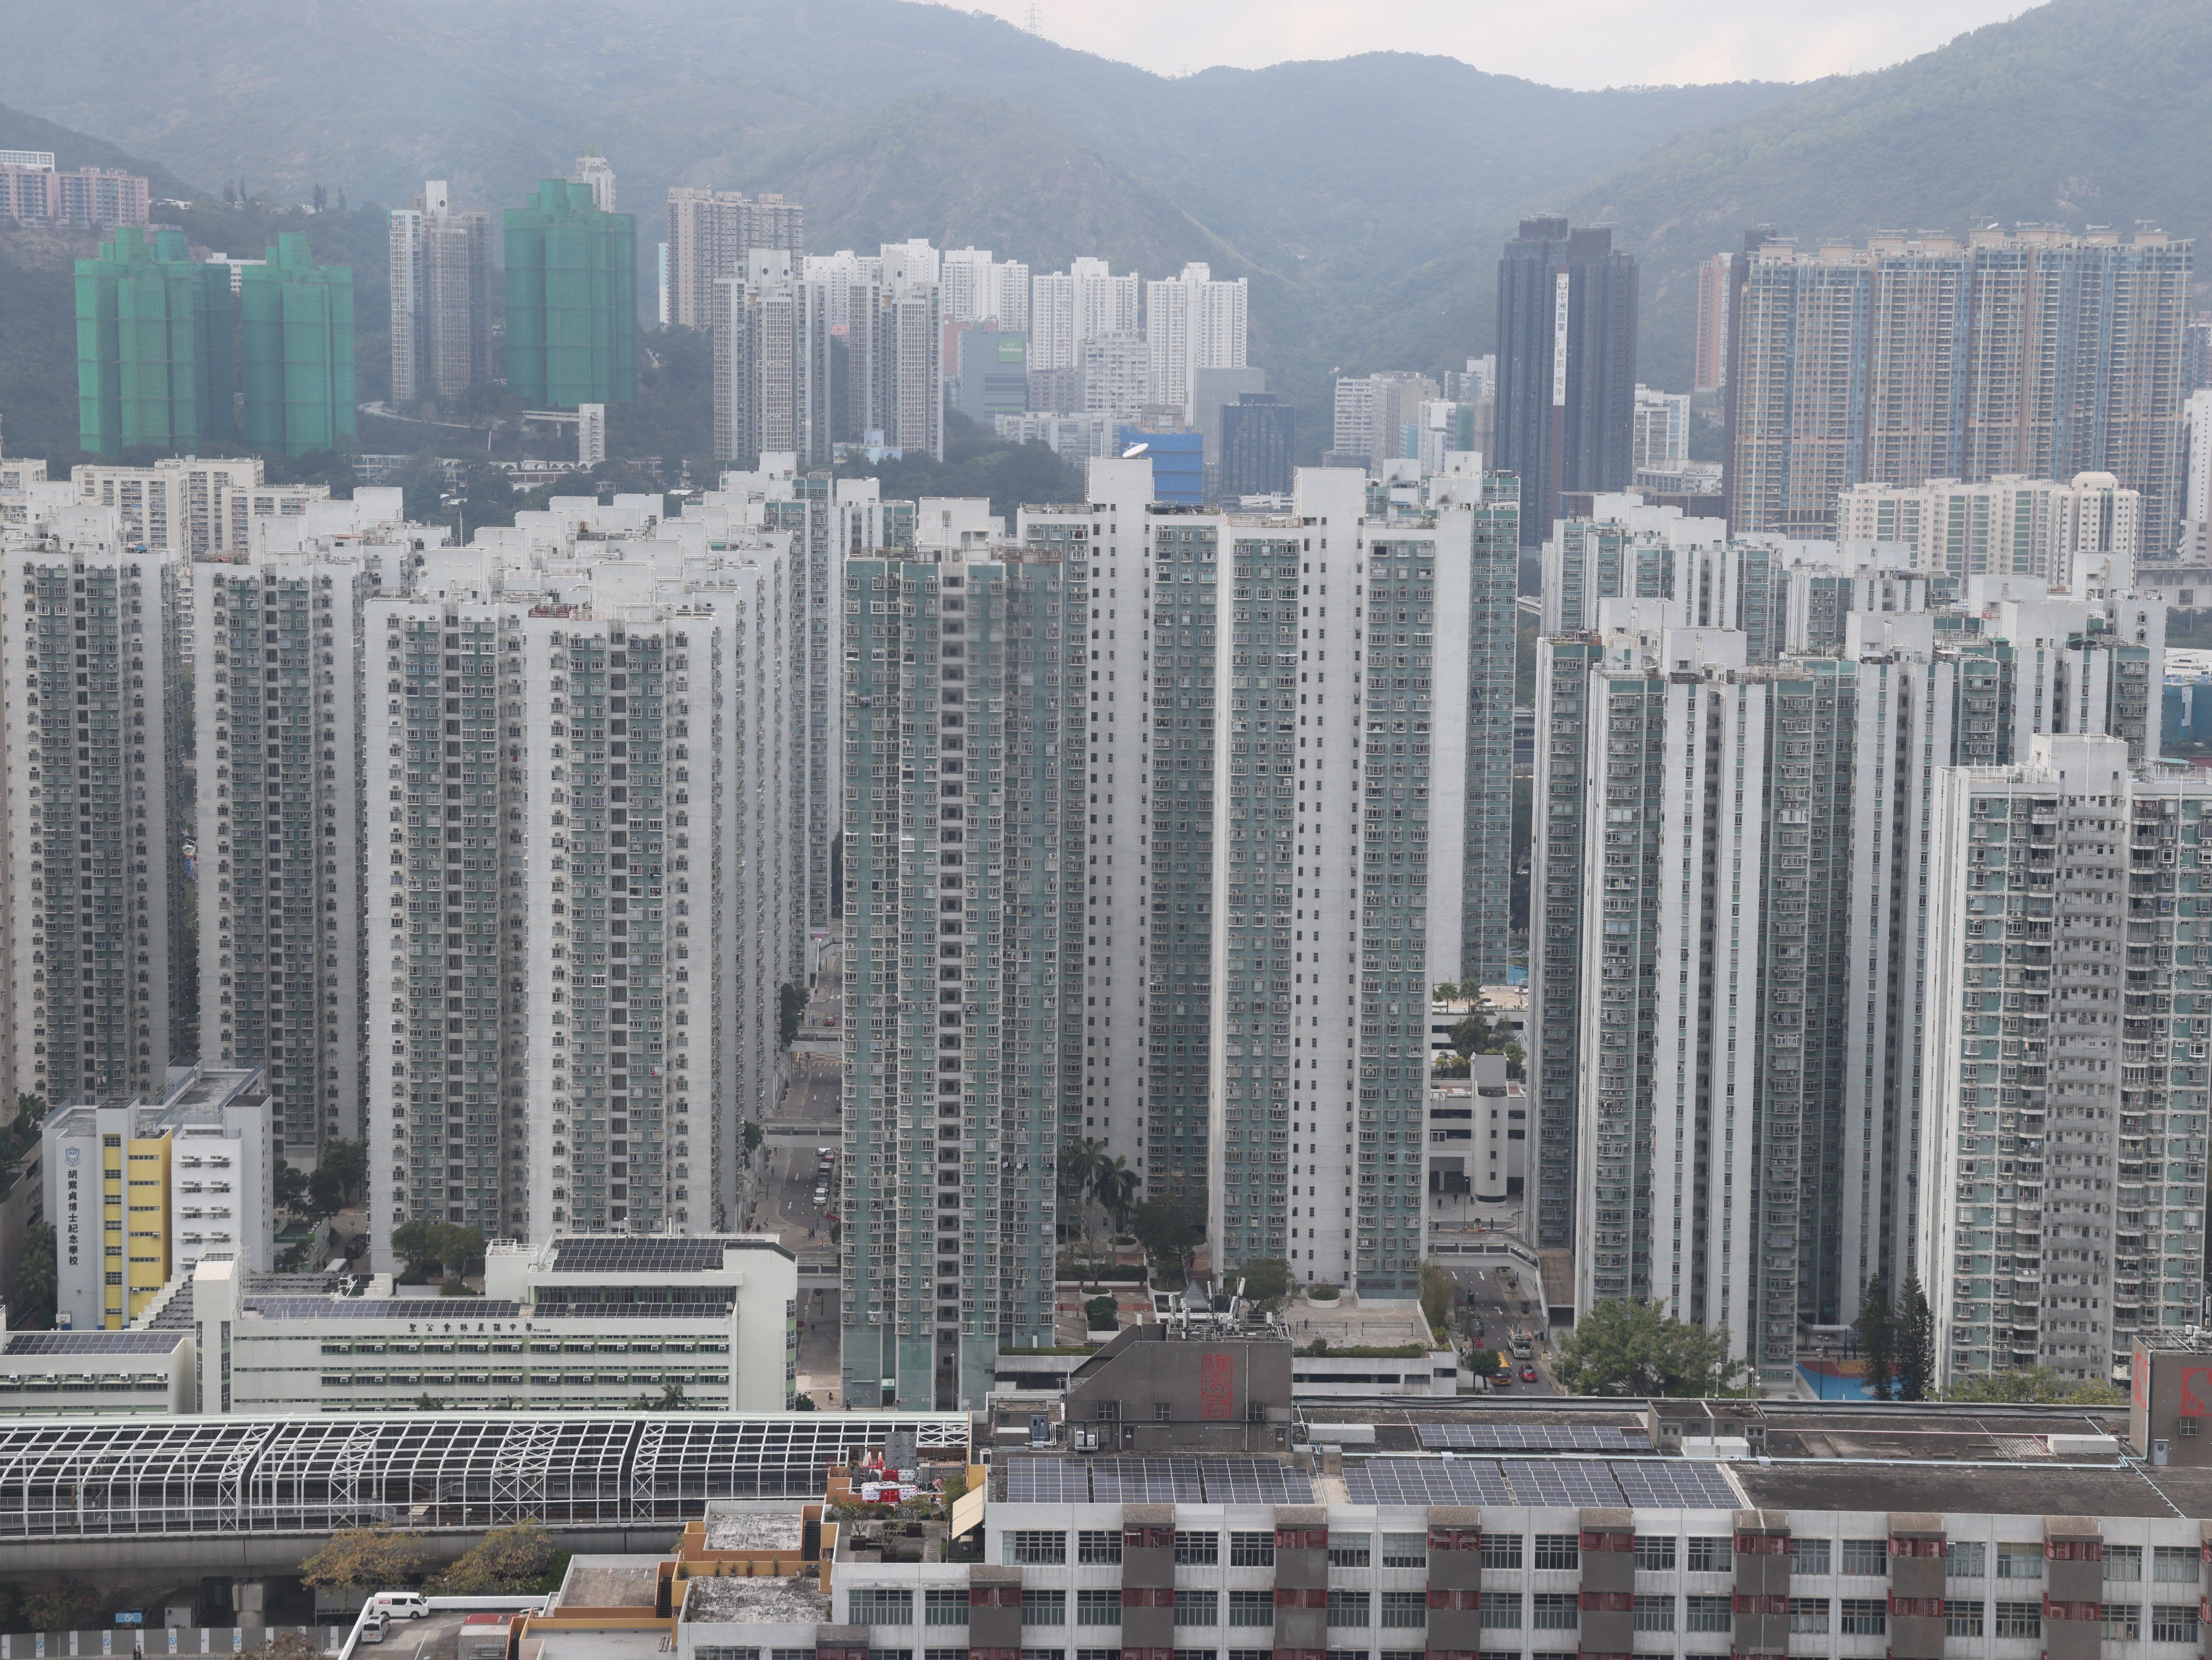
<point x="400" y="1605"/>
<point x="375" y="1628"/>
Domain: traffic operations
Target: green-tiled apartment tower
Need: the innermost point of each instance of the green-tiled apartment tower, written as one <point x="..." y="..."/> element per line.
<point x="571" y="299"/>
<point x="964" y="812"/>
<point x="153" y="346"/>
<point x="296" y="350"/>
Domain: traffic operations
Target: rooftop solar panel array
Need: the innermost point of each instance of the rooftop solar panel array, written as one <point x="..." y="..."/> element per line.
<point x="1425" y="1481"/>
<point x="1046" y="1480"/>
<point x="1253" y="1481"/>
<point x="651" y="1255"/>
<point x="1652" y="1483"/>
<point x="93" y="1342"/>
<point x="1147" y="1481"/>
<point x="1674" y="1483"/>
<point x="385" y="1308"/>
<point x="1535" y="1438"/>
<point x="1562" y="1481"/>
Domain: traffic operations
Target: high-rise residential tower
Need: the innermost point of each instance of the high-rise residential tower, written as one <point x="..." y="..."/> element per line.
<point x="963" y="808"/>
<point x="279" y="691"/>
<point x="710" y="233"/>
<point x="573" y="946"/>
<point x="896" y="377"/>
<point x="771" y="331"/>
<point x="97" y="730"/>
<point x="441" y="297"/>
<point x="571" y="299"/>
<point x="1566" y="366"/>
<point x="1709" y="369"/>
<point x="1193" y="322"/>
<point x="1067" y="307"/>
<point x="2065" y="1143"/>
<point x="154" y="364"/>
<point x="295" y="351"/>
<point x="2034" y="352"/>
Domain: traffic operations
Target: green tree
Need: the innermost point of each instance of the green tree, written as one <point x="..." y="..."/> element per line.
<point x="65" y="1604"/>
<point x="1079" y="1161"/>
<point x="1877" y="1329"/>
<point x="1168" y="1232"/>
<point x="19" y="1140"/>
<point x="290" y="1187"/>
<point x="803" y="1403"/>
<point x="1267" y="1282"/>
<point x="365" y="1559"/>
<point x="38" y="1277"/>
<point x="1115" y="1186"/>
<point x="791" y="1005"/>
<point x="506" y="1561"/>
<point x="424" y="1244"/>
<point x="347" y="1163"/>
<point x="1102" y="1314"/>
<point x="2036" y="1386"/>
<point x="1437" y="1294"/>
<point x="1638" y="1349"/>
<point x="1916" y="1343"/>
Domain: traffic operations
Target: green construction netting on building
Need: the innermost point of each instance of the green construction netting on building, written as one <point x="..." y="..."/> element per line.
<point x="154" y="346"/>
<point x="296" y="350"/>
<point x="571" y="299"/>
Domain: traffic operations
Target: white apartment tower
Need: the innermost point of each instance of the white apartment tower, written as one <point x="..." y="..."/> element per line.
<point x="981" y="289"/>
<point x="771" y="330"/>
<point x="1079" y="304"/>
<point x="711" y="233"/>
<point x="279" y="690"/>
<point x="97" y="730"/>
<point x="575" y="921"/>
<point x="441" y="297"/>
<point x="1193" y="322"/>
<point x="2065" y="1145"/>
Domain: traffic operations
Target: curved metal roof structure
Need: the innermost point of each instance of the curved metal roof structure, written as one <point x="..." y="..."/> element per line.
<point x="63" y="1478"/>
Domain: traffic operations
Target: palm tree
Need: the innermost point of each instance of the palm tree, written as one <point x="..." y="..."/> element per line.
<point x="1114" y="1185"/>
<point x="1081" y="1161"/>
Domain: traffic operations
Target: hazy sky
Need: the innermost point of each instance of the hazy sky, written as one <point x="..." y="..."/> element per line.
<point x="1571" y="43"/>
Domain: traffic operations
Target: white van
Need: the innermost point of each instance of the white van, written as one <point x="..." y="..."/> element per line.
<point x="401" y="1604"/>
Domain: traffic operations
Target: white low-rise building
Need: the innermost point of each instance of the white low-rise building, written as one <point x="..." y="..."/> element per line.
<point x="592" y="1322"/>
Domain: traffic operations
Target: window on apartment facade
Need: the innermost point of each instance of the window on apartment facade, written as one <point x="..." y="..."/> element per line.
<point x="1864" y="1616"/>
<point x="1252" y="1608"/>
<point x="1197" y="1550"/>
<point x="2017" y="1620"/>
<point x="1348" y="1608"/>
<point x="1405" y="1550"/>
<point x="1654" y="1614"/>
<point x="876" y="1607"/>
<point x="1655" y="1553"/>
<point x="1098" y="1607"/>
<point x="1033" y="1545"/>
<point x="2123" y="1562"/>
<point x="1810" y="1556"/>
<point x="1709" y="1556"/>
<point x="1501" y="1550"/>
<point x="2176" y="1565"/>
<point x="1962" y="1619"/>
<point x="1349" y="1550"/>
<point x="1555" y="1611"/>
<point x="2174" y="1622"/>
<point x="1099" y="1547"/>
<point x="1708" y="1613"/>
<point x="1866" y="1556"/>
<point x="1252" y="1550"/>
<point x="2122" y="1623"/>
<point x="1809" y="1617"/>
<point x="1198" y="1608"/>
<point x="1405" y="1610"/>
<point x="1044" y="1607"/>
<point x="1558" y="1550"/>
<point x="944" y="1608"/>
<point x="1967" y="1561"/>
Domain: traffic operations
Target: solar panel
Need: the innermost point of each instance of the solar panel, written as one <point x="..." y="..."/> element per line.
<point x="386" y="1308"/>
<point x="1562" y="1481"/>
<point x="1046" y="1481"/>
<point x="1253" y="1481"/>
<point x="93" y="1342"/>
<point x="1147" y="1481"/>
<point x="1424" y="1481"/>
<point x="650" y="1255"/>
<point x="1535" y="1438"/>
<point x="1674" y="1484"/>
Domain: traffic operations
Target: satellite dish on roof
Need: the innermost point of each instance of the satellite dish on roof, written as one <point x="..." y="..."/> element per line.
<point x="1134" y="451"/>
